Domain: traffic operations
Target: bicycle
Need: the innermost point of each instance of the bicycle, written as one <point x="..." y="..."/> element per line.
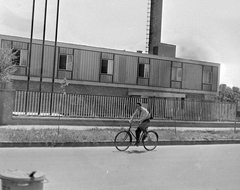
<point x="124" y="138"/>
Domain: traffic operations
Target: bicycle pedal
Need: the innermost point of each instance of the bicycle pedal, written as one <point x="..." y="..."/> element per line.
<point x="136" y="144"/>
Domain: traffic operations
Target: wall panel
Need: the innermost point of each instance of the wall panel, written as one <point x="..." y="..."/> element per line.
<point x="122" y="61"/>
<point x="36" y="60"/>
<point x="164" y="73"/>
<point x="68" y="51"/>
<point x="154" y="72"/>
<point x="76" y="68"/>
<point x="125" y="69"/>
<point x="48" y="61"/>
<point x="143" y="81"/>
<point x="131" y="70"/>
<point x="143" y="60"/>
<point x="192" y="76"/>
<point x="207" y="87"/>
<point x="20" y="45"/>
<point x="64" y="74"/>
<point x="6" y="43"/>
<point x="106" y="78"/>
<point x="160" y="73"/>
<point x="21" y="71"/>
<point x="176" y="64"/>
<point x="107" y="56"/>
<point x="56" y="63"/>
<point x="176" y="85"/>
<point x="215" y="79"/>
<point x="86" y="65"/>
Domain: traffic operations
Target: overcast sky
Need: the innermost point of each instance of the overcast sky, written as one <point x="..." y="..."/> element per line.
<point x="207" y="30"/>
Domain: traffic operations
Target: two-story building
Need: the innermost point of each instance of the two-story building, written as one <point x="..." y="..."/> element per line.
<point x="94" y="70"/>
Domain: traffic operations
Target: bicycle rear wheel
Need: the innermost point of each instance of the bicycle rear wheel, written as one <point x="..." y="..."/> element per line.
<point x="151" y="140"/>
<point x="122" y="140"/>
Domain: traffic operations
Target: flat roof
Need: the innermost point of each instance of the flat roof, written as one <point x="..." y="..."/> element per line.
<point x="108" y="50"/>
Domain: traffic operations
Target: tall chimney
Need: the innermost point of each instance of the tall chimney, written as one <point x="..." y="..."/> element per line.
<point x="155" y="46"/>
<point x="155" y="29"/>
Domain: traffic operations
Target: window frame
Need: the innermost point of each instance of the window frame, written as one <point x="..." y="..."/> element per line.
<point x="146" y="70"/>
<point x="21" y="59"/>
<point x="176" y="71"/>
<point x="176" y="74"/>
<point x="207" y="77"/>
<point x="67" y="62"/>
<point x="109" y="62"/>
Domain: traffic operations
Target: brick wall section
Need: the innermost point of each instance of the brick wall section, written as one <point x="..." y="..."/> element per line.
<point x="7" y="97"/>
<point x="88" y="89"/>
<point x="72" y="88"/>
<point x="195" y="96"/>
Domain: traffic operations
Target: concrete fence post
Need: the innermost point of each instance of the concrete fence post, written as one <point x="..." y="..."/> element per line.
<point x="7" y="98"/>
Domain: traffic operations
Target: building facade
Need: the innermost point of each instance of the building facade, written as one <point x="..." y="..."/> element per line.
<point x="101" y="71"/>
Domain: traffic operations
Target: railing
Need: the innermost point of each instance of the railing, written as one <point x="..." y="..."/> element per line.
<point x="74" y="105"/>
<point x="78" y="105"/>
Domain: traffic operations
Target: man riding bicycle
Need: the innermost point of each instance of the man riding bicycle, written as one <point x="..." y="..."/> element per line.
<point x="144" y="121"/>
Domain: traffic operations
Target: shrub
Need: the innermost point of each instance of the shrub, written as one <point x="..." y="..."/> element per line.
<point x="7" y="68"/>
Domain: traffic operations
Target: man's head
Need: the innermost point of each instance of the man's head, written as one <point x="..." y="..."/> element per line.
<point x="139" y="105"/>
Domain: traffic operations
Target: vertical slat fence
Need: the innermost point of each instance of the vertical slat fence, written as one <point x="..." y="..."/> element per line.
<point x="78" y="105"/>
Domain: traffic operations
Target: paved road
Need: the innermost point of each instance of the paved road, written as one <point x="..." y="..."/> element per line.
<point x="210" y="167"/>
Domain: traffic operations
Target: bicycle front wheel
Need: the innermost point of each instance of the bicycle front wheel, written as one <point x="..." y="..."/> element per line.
<point x="151" y="140"/>
<point x="122" y="140"/>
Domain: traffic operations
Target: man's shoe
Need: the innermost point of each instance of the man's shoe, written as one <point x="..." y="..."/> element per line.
<point x="144" y="137"/>
<point x="136" y="143"/>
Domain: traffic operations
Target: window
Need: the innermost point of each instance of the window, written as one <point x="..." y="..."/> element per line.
<point x="21" y="57"/>
<point x="176" y="71"/>
<point x="66" y="62"/>
<point x="207" y="77"/>
<point x="143" y="70"/>
<point x="207" y="74"/>
<point x="176" y="74"/>
<point x="107" y="66"/>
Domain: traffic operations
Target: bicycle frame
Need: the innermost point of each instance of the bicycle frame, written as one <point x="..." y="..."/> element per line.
<point x="133" y="135"/>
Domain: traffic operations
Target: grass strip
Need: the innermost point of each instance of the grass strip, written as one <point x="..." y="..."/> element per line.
<point x="103" y="135"/>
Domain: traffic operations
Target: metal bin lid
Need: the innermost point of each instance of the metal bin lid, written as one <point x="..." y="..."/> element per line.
<point x="18" y="175"/>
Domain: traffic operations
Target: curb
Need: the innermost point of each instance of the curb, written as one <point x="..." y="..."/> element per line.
<point x="106" y="144"/>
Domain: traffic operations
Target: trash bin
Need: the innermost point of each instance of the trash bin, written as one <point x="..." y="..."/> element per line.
<point x="22" y="180"/>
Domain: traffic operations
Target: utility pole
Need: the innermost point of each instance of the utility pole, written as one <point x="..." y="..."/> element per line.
<point x="43" y="46"/>
<point x="55" y="54"/>
<point x="30" y="57"/>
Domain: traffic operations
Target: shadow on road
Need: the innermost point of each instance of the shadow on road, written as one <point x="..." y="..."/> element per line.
<point x="136" y="151"/>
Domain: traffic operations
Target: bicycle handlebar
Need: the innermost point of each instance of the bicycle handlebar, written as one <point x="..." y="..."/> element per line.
<point x="130" y="124"/>
<point x="134" y="121"/>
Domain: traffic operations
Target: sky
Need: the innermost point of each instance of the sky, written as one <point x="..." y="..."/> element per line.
<point x="206" y="30"/>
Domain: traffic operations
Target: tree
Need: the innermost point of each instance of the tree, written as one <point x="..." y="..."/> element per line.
<point x="64" y="84"/>
<point x="7" y="68"/>
<point x="228" y="94"/>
